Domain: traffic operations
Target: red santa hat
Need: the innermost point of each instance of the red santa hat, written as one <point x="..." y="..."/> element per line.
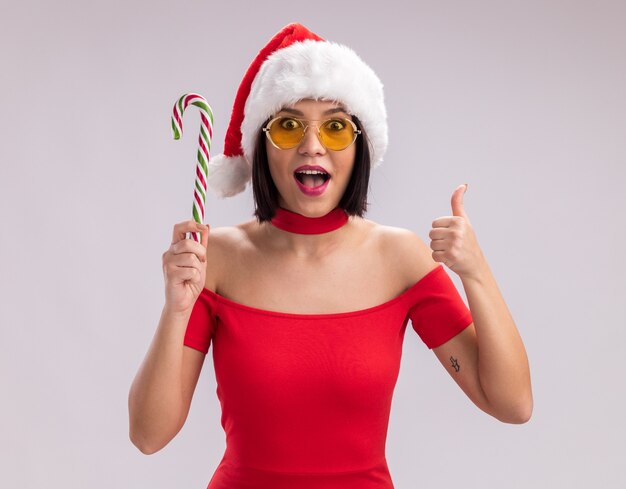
<point x="294" y="65"/>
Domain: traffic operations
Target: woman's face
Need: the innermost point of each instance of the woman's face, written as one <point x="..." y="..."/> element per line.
<point x="294" y="189"/>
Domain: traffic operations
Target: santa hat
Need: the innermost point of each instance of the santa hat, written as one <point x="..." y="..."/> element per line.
<point x="296" y="64"/>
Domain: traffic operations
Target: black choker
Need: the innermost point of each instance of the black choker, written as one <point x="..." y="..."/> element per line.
<point x="297" y="223"/>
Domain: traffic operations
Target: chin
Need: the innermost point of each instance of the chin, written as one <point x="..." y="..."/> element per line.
<point x="310" y="209"/>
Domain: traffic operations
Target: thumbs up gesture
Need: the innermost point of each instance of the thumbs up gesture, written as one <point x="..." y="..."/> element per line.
<point x="453" y="240"/>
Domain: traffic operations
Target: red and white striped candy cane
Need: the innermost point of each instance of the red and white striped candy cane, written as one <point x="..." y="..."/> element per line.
<point x="204" y="142"/>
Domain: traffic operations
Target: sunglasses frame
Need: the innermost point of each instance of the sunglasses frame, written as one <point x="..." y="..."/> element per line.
<point x="355" y="130"/>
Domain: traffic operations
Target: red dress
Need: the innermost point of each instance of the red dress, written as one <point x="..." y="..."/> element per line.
<point x="306" y="398"/>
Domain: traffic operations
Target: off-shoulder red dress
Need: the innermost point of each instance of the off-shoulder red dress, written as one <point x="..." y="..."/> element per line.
<point x="306" y="398"/>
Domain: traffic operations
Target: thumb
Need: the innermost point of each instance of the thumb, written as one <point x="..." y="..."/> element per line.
<point x="458" y="208"/>
<point x="204" y="231"/>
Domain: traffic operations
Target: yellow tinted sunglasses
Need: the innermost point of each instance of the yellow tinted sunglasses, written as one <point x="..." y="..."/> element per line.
<point x="336" y="134"/>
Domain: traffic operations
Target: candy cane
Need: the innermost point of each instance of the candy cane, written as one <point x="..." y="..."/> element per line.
<point x="204" y="142"/>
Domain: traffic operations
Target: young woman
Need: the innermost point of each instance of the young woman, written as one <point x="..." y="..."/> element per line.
<point x="306" y="305"/>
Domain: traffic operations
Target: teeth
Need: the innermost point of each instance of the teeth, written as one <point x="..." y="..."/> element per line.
<point x="312" y="172"/>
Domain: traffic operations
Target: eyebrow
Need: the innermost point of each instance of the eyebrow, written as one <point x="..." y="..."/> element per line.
<point x="330" y="111"/>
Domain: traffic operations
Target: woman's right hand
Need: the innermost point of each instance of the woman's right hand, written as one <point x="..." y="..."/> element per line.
<point x="184" y="267"/>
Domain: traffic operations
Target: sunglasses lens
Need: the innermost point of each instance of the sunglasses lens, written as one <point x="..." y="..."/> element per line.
<point x="337" y="134"/>
<point x="286" y="132"/>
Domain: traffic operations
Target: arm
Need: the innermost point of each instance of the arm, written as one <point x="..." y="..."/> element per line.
<point x="160" y="395"/>
<point x="488" y="359"/>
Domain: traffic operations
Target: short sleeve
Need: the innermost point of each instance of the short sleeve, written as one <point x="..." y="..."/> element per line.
<point x="201" y="324"/>
<point x="437" y="311"/>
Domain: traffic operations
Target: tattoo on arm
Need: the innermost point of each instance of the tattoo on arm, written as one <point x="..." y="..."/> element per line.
<point x="455" y="364"/>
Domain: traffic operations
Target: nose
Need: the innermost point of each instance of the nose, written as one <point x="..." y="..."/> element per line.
<point x="311" y="144"/>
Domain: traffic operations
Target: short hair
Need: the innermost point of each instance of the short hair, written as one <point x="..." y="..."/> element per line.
<point x="353" y="201"/>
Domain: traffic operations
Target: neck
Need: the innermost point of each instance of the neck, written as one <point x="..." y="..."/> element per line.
<point x="309" y="236"/>
<point x="293" y="222"/>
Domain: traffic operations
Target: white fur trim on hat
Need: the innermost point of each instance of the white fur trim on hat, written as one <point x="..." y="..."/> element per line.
<point x="228" y="175"/>
<point x="318" y="70"/>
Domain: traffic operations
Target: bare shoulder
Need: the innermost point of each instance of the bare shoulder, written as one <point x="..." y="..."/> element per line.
<point x="222" y="243"/>
<point x="406" y="252"/>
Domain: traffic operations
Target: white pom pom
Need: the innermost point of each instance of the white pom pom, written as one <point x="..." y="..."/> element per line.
<point x="228" y="175"/>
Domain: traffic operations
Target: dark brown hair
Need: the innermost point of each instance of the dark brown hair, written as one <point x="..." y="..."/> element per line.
<point x="353" y="201"/>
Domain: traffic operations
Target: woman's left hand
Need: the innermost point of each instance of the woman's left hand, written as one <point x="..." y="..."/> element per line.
<point x="453" y="240"/>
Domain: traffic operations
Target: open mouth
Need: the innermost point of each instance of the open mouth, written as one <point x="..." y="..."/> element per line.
<point x="312" y="178"/>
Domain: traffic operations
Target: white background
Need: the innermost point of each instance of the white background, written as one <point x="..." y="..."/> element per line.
<point x="524" y="100"/>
